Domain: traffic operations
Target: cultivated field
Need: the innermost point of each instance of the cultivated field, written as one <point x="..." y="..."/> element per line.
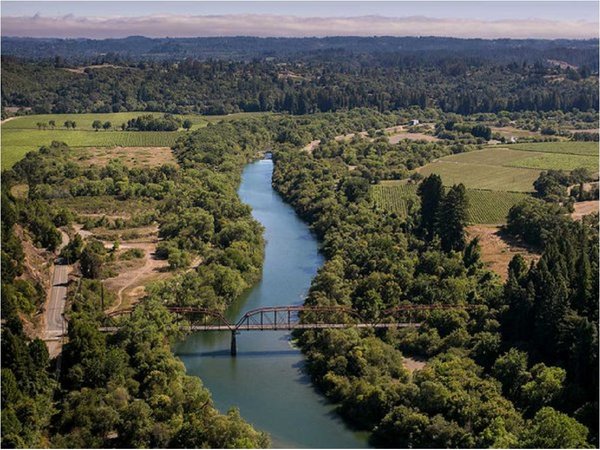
<point x="546" y="161"/>
<point x="568" y="148"/>
<point x="513" y="168"/>
<point x="21" y="134"/>
<point x="485" y="207"/>
<point x="477" y="176"/>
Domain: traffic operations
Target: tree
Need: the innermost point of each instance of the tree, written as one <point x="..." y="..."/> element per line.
<point x="187" y="124"/>
<point x="402" y="427"/>
<point x="452" y="218"/>
<point x="72" y="251"/>
<point x="96" y="125"/>
<point x="511" y="370"/>
<point x="482" y="131"/>
<point x="106" y="125"/>
<point x="92" y="259"/>
<point x="355" y="188"/>
<point x="472" y="255"/>
<point x="431" y="192"/>
<point x="544" y="388"/>
<point x="552" y="429"/>
<point x="52" y="123"/>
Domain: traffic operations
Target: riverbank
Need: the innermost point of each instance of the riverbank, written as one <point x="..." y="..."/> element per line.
<point x="267" y="380"/>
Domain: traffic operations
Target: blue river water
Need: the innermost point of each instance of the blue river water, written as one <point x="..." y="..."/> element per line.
<point x="266" y="380"/>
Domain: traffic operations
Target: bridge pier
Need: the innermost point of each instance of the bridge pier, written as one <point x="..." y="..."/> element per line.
<point x="233" y="343"/>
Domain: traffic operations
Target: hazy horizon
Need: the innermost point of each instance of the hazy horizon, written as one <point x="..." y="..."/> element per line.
<point x="486" y="20"/>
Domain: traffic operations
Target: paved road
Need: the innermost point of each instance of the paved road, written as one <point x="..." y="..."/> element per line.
<point x="57" y="300"/>
<point x="55" y="306"/>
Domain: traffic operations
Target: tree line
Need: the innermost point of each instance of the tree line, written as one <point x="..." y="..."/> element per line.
<point x="315" y="83"/>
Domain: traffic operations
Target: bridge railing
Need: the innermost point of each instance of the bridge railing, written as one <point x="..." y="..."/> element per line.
<point x="294" y="317"/>
<point x="289" y="317"/>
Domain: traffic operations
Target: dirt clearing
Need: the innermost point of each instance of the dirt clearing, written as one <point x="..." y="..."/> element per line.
<point x="130" y="156"/>
<point x="497" y="248"/>
<point x="584" y="208"/>
<point x="129" y="284"/>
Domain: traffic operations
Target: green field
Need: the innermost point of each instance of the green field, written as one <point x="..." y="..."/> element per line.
<point x="513" y="168"/>
<point x="84" y="121"/>
<point x="21" y="135"/>
<point x="567" y="148"/>
<point x="496" y="177"/>
<point x="489" y="177"/>
<point x="16" y="143"/>
<point x="546" y="161"/>
<point x="485" y="207"/>
<point x="395" y="197"/>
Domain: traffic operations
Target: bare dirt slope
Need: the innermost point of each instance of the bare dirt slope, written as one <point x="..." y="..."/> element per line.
<point x="584" y="208"/>
<point x="497" y="248"/>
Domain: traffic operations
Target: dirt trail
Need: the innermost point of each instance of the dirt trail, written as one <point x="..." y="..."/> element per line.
<point x="8" y="119"/>
<point x="311" y="146"/>
<point x="128" y="284"/>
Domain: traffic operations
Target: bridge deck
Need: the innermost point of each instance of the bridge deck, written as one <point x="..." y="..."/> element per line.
<point x="283" y="326"/>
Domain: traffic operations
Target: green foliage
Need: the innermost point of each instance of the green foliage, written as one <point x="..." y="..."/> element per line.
<point x="535" y="221"/>
<point x="148" y="122"/>
<point x="451" y="218"/>
<point x="431" y="193"/>
<point x="91" y="259"/>
<point x="567" y="148"/>
<point x="552" y="429"/>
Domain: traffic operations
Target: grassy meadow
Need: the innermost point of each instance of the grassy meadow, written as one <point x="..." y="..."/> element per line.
<point x="22" y="134"/>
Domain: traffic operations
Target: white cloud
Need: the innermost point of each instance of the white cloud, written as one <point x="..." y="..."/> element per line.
<point x="283" y="26"/>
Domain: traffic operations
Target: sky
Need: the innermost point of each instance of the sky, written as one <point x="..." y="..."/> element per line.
<point x="484" y="19"/>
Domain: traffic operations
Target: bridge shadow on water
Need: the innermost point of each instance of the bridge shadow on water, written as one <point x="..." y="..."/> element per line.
<point x="225" y="353"/>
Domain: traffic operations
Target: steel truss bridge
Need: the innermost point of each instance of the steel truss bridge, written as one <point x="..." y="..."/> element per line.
<point x="289" y="318"/>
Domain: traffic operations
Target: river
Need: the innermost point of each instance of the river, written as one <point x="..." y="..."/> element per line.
<point x="266" y="380"/>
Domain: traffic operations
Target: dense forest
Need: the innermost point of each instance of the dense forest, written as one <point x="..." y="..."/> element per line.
<point x="315" y="83"/>
<point x="135" y="48"/>
<point x="491" y="379"/>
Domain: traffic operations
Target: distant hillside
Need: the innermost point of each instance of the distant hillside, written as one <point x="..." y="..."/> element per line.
<point x="573" y="52"/>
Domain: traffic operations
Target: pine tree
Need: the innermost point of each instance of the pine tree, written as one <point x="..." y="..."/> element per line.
<point x="452" y="218"/>
<point x="431" y="192"/>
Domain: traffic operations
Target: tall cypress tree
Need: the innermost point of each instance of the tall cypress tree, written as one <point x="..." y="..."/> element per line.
<point x="431" y="192"/>
<point x="452" y="218"/>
